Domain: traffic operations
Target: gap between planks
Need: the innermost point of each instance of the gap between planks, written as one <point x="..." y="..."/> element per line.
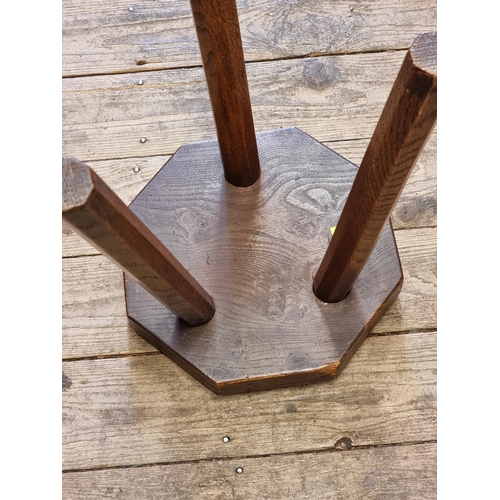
<point x="331" y="449"/>
<point x="305" y="93"/>
<point x="141" y="69"/>
<point x="395" y="472"/>
<point x="329" y="144"/>
<point x="104" y="37"/>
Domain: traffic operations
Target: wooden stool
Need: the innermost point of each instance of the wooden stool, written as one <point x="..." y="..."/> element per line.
<point x="245" y="298"/>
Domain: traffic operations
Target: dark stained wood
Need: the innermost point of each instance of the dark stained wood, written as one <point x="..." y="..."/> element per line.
<point x="255" y="250"/>
<point x="398" y="472"/>
<point x="144" y="409"/>
<point x="219" y="37"/>
<point x="402" y="131"/>
<point x="93" y="210"/>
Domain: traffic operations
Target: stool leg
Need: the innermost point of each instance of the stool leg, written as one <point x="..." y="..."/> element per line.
<point x="219" y="38"/>
<point x="94" y="211"/>
<point x="401" y="133"/>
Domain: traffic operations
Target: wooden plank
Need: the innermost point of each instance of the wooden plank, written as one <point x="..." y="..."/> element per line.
<point x="145" y="409"/>
<point x="105" y="37"/>
<point x="407" y="472"/>
<point x="416" y="208"/>
<point x="95" y="324"/>
<point x="416" y="306"/>
<point x="330" y="98"/>
<point x="94" y="317"/>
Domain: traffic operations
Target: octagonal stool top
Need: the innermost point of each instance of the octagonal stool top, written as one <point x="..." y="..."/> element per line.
<point x="255" y="251"/>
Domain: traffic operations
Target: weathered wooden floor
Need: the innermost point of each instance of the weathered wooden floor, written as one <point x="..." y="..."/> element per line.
<point x="136" y="426"/>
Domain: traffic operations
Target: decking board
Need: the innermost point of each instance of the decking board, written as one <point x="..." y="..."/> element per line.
<point x="140" y="408"/>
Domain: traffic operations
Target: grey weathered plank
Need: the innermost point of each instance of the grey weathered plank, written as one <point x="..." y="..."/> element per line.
<point x="94" y="318"/>
<point x="105" y="37"/>
<point x="416" y="208"/>
<point x="145" y="409"/>
<point x="331" y="98"/>
<point x="95" y="323"/>
<point x="416" y="306"/>
<point x="407" y="471"/>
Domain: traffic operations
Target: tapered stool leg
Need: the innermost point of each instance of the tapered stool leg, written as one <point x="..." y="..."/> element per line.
<point x="401" y="133"/>
<point x="94" y="211"/>
<point x="219" y="37"/>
